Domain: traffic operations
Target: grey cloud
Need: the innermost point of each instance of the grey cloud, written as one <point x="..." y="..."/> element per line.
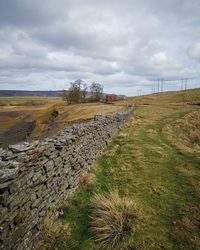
<point x="194" y="51"/>
<point x="21" y="13"/>
<point x="126" y="45"/>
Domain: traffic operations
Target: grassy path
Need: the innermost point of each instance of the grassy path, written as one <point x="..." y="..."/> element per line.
<point x="163" y="180"/>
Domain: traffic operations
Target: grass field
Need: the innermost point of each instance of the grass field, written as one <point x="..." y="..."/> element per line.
<point x="152" y="162"/>
<point x="36" y="116"/>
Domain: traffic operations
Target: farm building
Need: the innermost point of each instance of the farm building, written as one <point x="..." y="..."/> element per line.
<point x="113" y="97"/>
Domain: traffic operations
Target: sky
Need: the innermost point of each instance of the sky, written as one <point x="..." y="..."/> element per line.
<point x="126" y="45"/>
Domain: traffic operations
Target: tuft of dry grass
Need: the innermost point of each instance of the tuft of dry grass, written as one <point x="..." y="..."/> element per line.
<point x="51" y="228"/>
<point x="186" y="224"/>
<point x="191" y="127"/>
<point x="87" y="178"/>
<point x="52" y="232"/>
<point x="185" y="132"/>
<point x="113" y="220"/>
<point x="194" y="136"/>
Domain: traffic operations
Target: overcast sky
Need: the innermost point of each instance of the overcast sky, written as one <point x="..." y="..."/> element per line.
<point x="123" y="44"/>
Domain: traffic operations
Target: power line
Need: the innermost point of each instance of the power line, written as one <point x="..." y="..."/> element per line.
<point x="176" y="79"/>
<point x="163" y="85"/>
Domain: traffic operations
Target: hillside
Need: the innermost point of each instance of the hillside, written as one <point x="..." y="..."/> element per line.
<point x="9" y="93"/>
<point x="29" y="118"/>
<point x="191" y="96"/>
<point x="155" y="161"/>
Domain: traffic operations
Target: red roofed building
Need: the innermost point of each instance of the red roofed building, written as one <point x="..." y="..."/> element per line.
<point x="111" y="98"/>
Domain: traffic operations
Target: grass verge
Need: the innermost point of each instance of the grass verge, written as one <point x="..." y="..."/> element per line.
<point x="145" y="164"/>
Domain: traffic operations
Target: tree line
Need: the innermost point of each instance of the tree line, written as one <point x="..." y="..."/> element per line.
<point x="80" y="92"/>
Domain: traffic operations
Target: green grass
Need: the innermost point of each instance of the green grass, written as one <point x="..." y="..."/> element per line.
<point x="143" y="163"/>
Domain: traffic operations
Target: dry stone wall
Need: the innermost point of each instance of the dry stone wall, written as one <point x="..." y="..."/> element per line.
<point x="38" y="176"/>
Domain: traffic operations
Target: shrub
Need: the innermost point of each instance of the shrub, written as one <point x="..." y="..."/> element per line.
<point x="113" y="220"/>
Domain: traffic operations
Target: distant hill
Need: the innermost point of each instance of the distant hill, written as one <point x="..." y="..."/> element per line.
<point x="7" y="93"/>
<point x="54" y="93"/>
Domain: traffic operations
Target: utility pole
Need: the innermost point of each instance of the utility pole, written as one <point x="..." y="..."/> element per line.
<point x="186" y="83"/>
<point x="139" y="92"/>
<point x="182" y="80"/>
<point x="158" y="86"/>
<point x="162" y="85"/>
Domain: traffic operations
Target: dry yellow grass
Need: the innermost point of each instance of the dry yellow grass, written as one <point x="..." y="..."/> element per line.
<point x="191" y="126"/>
<point x="185" y="133"/>
<point x="52" y="230"/>
<point x="179" y="98"/>
<point x="39" y="109"/>
<point x="87" y="178"/>
<point x="113" y="220"/>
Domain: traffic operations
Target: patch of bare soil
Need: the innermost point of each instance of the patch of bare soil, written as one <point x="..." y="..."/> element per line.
<point x="191" y="223"/>
<point x="19" y="132"/>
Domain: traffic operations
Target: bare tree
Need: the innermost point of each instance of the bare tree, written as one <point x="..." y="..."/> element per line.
<point x="76" y="93"/>
<point x="96" y="90"/>
<point x="84" y="92"/>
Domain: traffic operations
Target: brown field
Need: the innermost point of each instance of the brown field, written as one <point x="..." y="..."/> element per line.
<point x="28" y="118"/>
